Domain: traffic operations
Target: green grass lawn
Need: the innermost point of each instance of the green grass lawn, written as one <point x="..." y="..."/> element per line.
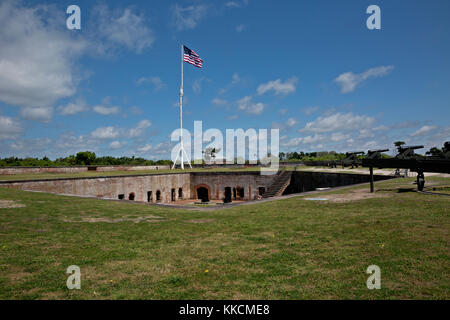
<point x="287" y="249"/>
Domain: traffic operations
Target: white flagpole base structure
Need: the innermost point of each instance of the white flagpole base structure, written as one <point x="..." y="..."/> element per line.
<point x="181" y="152"/>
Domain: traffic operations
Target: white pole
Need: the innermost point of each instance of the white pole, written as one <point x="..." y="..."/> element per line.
<point x="181" y="111"/>
<point x="182" y="152"/>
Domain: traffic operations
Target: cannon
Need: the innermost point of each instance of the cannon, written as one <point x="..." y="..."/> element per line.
<point x="375" y="154"/>
<point x="446" y="150"/>
<point x="353" y="153"/>
<point x="351" y="159"/>
<point x="407" y="152"/>
<point x="407" y="159"/>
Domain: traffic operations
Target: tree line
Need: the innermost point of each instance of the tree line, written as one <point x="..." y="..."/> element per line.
<point x="88" y="158"/>
<point x="84" y="158"/>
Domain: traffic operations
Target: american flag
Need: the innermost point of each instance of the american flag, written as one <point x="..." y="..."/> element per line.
<point x="191" y="57"/>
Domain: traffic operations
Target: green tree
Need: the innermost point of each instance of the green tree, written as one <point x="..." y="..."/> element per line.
<point x="85" y="158"/>
<point x="435" y="152"/>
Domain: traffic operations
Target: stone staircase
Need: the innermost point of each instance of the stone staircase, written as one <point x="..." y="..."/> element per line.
<point x="278" y="185"/>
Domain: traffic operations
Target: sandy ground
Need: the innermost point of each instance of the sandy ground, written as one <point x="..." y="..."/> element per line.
<point x="353" y="195"/>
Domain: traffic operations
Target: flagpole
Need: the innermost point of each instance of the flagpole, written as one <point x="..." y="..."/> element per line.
<point x="181" y="112"/>
<point x="182" y="152"/>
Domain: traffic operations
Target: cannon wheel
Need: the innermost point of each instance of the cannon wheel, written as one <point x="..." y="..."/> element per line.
<point x="420" y="180"/>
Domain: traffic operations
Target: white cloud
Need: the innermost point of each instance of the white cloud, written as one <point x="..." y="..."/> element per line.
<point x="235" y="79"/>
<point x="348" y="81"/>
<point x="233" y="4"/>
<point x="30" y="147"/>
<point x="73" y="108"/>
<point x="313" y="139"/>
<point x="37" y="57"/>
<point x="160" y="150"/>
<point x="240" y="28"/>
<point x="339" y="136"/>
<point x="310" y="110"/>
<point x="423" y="131"/>
<point x="219" y="102"/>
<point x="9" y="127"/>
<point x="111" y="132"/>
<point x="197" y="84"/>
<point x="140" y="128"/>
<point x="105" y="133"/>
<point x="291" y="122"/>
<point x="436" y="139"/>
<point x="294" y="142"/>
<point x="97" y="140"/>
<point x="279" y="87"/>
<point x="106" y="110"/>
<point x="367" y="133"/>
<point x="70" y="144"/>
<point x="246" y="104"/>
<point x="136" y="110"/>
<point x="337" y="141"/>
<point x="188" y="17"/>
<point x="405" y="124"/>
<point x="123" y="27"/>
<point x="145" y="148"/>
<point x="380" y="128"/>
<point x="339" y="121"/>
<point x="155" y="81"/>
<point x="43" y="114"/>
<point x="116" y="145"/>
<point x="342" y="132"/>
<point x="236" y="4"/>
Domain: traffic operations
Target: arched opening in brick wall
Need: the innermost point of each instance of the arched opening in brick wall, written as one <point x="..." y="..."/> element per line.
<point x="261" y="190"/>
<point x="203" y="192"/>
<point x="240" y="193"/>
<point x="158" y="196"/>
<point x="227" y="195"/>
<point x="149" y="196"/>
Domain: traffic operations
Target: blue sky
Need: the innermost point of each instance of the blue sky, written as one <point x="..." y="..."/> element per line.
<point x="310" y="68"/>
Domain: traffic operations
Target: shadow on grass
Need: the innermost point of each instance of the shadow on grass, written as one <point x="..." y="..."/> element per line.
<point x="398" y="190"/>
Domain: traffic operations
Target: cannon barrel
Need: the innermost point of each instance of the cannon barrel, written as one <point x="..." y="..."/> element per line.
<point x="378" y="150"/>
<point x="354" y="152"/>
<point x="410" y="147"/>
